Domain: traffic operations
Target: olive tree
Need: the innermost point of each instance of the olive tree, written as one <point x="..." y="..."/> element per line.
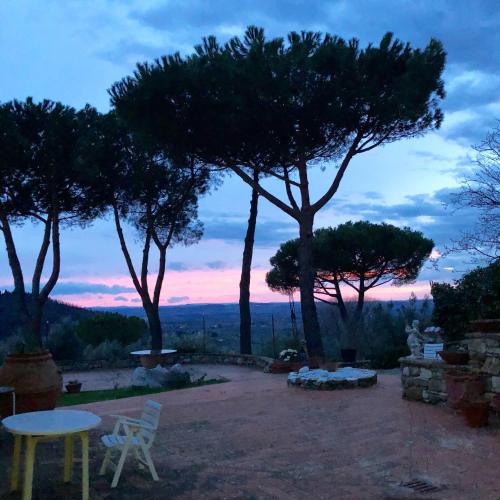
<point x="279" y="107"/>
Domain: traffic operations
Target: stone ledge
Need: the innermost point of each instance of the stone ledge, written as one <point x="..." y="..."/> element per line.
<point x="343" y="378"/>
<point x="430" y="364"/>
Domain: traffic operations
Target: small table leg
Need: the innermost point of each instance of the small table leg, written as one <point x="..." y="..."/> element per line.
<point x="28" y="468"/>
<point x="85" y="465"/>
<point x="14" y="474"/>
<point x="68" y="458"/>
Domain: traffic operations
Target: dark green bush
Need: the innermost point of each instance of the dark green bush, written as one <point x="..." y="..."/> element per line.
<point x="475" y="296"/>
<point x="63" y="342"/>
<point x="111" y="326"/>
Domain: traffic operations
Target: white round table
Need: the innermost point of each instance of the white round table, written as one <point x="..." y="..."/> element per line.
<point x="37" y="425"/>
<point x="148" y="352"/>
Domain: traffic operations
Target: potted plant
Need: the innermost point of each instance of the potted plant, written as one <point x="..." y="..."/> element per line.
<point x="288" y="360"/>
<point x="455" y="355"/>
<point x="73" y="386"/>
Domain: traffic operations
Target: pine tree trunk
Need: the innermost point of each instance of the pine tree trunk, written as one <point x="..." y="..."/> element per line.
<point x="154" y="324"/>
<point x="246" y="267"/>
<point x="306" y="277"/>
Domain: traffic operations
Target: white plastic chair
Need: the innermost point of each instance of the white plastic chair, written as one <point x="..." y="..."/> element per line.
<point x="138" y="435"/>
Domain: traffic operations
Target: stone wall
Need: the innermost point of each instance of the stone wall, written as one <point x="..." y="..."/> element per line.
<point x="484" y="350"/>
<point x="184" y="358"/>
<point x="424" y="380"/>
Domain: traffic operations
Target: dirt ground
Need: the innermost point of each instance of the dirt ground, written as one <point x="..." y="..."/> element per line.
<point x="255" y="438"/>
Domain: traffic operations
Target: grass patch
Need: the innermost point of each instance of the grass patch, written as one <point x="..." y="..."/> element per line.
<point x="123" y="392"/>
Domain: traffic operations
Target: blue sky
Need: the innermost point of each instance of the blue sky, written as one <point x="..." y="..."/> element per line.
<point x="74" y="51"/>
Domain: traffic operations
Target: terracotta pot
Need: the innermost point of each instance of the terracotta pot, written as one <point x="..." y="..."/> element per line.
<point x="74" y="388"/>
<point x="35" y="378"/>
<point x="476" y="413"/>
<point x="462" y="386"/>
<point x="485" y="325"/>
<point x="454" y="358"/>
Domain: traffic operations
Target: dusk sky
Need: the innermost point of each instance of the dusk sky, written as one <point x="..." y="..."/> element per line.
<point x="73" y="51"/>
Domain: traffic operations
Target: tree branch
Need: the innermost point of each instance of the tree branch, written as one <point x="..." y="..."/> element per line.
<point x="266" y="194"/>
<point x="318" y="205"/>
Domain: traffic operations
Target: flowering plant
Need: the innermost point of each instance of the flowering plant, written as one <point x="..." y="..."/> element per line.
<point x="289" y="355"/>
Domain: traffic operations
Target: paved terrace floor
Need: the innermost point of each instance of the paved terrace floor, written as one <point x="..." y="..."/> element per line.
<point x="255" y="438"/>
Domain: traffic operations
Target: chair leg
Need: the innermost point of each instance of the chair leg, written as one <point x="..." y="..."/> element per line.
<point x="150" y="463"/>
<point x="119" y="467"/>
<point x="105" y="462"/>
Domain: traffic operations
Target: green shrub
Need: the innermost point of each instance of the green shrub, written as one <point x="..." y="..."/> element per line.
<point x="62" y="340"/>
<point x="111" y="326"/>
<point x="475" y="296"/>
<point x="193" y="343"/>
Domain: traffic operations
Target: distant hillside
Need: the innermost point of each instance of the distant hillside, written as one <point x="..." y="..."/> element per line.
<point x="53" y="312"/>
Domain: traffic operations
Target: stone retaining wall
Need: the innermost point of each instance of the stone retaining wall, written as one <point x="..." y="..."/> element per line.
<point x="184" y="358"/>
<point x="423" y="379"/>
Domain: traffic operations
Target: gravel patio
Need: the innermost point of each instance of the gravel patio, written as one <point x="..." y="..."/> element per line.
<point x="255" y="438"/>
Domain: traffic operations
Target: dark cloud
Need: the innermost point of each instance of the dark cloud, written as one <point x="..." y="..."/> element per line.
<point x="75" y="288"/>
<point x="216" y="264"/>
<point x="470" y="35"/>
<point x="176" y="300"/>
<point x="135" y="300"/>
<point x="177" y="266"/>
<point x="432" y="214"/>
<point x="372" y="195"/>
<point x="268" y="232"/>
<point x="119" y="298"/>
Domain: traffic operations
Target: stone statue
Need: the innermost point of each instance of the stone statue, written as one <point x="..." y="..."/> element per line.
<point x="415" y="341"/>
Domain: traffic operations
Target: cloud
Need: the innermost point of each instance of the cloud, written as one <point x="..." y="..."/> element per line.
<point x="430" y="213"/>
<point x="216" y="264"/>
<point x="176" y="300"/>
<point x="76" y="288"/>
<point x="233" y="229"/>
<point x="120" y="298"/>
<point x="136" y="301"/>
<point x="177" y="266"/>
<point x="472" y="75"/>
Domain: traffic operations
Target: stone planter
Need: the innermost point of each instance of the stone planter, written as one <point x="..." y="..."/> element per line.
<point x="35" y="378"/>
<point x="454" y="358"/>
<point x="476" y="413"/>
<point x="462" y="387"/>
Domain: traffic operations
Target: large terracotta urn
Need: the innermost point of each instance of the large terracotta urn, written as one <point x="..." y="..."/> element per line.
<point x="35" y="378"/>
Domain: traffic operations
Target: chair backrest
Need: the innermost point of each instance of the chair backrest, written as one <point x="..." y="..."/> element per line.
<point x="150" y="415"/>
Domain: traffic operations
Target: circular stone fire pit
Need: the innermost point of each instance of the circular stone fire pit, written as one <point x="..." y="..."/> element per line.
<point x="343" y="378"/>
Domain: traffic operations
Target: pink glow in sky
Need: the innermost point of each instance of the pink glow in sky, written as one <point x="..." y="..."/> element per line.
<point x="209" y="287"/>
